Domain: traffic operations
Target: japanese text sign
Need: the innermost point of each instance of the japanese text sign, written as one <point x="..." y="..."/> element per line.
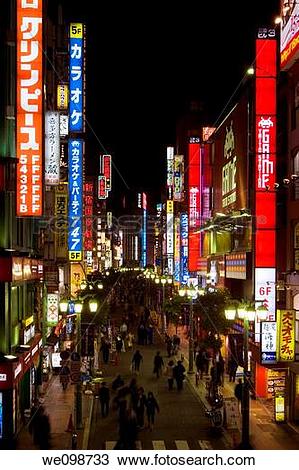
<point x="75" y="244"/>
<point x="52" y="148"/>
<point x="29" y="107"/>
<point x="286" y="343"/>
<point x="76" y="77"/>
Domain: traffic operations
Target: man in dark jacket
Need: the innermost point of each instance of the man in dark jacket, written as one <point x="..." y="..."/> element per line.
<point x="158" y="364"/>
<point x="104" y="396"/>
<point x="179" y="374"/>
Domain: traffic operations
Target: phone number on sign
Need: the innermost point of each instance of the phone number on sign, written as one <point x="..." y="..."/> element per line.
<point x="77" y="459"/>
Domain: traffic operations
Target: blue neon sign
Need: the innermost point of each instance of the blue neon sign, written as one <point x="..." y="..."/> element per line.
<point x="75" y="243"/>
<point x="76" y="77"/>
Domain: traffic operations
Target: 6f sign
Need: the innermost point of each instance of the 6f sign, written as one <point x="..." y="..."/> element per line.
<point x="265" y="290"/>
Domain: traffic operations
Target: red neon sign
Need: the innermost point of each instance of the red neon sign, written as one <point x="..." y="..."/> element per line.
<point x="265" y="152"/>
<point x="88" y="213"/>
<point x="102" y="193"/>
<point x="194" y="169"/>
<point x="106" y="170"/>
<point x="29" y="108"/>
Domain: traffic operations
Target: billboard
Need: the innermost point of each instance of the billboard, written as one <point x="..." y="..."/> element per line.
<point x="62" y="97"/>
<point x="52" y="309"/>
<point x="76" y="52"/>
<point x="170" y="175"/>
<point x="184" y="273"/>
<point x="268" y="342"/>
<point x="265" y="171"/>
<point x="88" y="223"/>
<point x="169" y="235"/>
<point x="52" y="148"/>
<point x="102" y="193"/>
<point x="289" y="33"/>
<point x="286" y="320"/>
<point x="177" y="248"/>
<point x="75" y="243"/>
<point x="61" y="230"/>
<point x="194" y="192"/>
<point x="178" y="178"/>
<point x="29" y="100"/>
<point x="105" y="165"/>
<point x="143" y="231"/>
<point x="230" y="143"/>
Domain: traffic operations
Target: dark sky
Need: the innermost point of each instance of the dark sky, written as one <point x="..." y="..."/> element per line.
<point x="144" y="65"/>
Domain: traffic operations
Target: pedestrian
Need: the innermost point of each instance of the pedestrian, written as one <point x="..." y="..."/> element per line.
<point x="169" y="345"/>
<point x="105" y="348"/>
<point x="128" y="431"/>
<point x="41" y="429"/>
<point x="158" y="364"/>
<point x="200" y="363"/>
<point x="169" y="374"/>
<point x="151" y="408"/>
<point x="239" y="393"/>
<point x="136" y="361"/>
<point x="150" y="334"/>
<point x="104" y="397"/>
<point x="117" y="383"/>
<point x="65" y="374"/>
<point x="232" y="369"/>
<point x="140" y="407"/>
<point x="130" y="341"/>
<point x="123" y="330"/>
<point x="220" y="369"/>
<point x="179" y="375"/>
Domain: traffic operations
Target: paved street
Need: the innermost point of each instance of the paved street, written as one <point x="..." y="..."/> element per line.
<point x="181" y="423"/>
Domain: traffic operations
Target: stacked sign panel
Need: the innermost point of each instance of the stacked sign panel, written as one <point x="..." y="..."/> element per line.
<point x="29" y="107"/>
<point x="75" y="244"/>
<point x="265" y="170"/>
<point x="194" y="169"/>
<point x="76" y="77"/>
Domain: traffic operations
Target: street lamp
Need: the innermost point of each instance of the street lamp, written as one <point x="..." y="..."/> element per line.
<point x="247" y="313"/>
<point x="93" y="305"/>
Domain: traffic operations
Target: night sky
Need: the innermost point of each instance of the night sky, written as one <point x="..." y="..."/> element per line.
<point x="145" y="64"/>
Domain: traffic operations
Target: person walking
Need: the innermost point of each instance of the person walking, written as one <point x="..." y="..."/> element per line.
<point x="151" y="408"/>
<point x="104" y="397"/>
<point x="136" y="361"/>
<point x="105" y="348"/>
<point x="169" y="374"/>
<point x="158" y="364"/>
<point x="140" y="407"/>
<point x="41" y="429"/>
<point x="232" y="369"/>
<point x="179" y="375"/>
<point x="239" y="393"/>
<point x="200" y="363"/>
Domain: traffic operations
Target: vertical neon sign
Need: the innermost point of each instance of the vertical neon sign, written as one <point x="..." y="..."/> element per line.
<point x="75" y="243"/>
<point x="76" y="77"/>
<point x="29" y="99"/>
<point x="265" y="168"/>
<point x="194" y="164"/>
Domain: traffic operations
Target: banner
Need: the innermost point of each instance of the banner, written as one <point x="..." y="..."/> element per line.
<point x="286" y="338"/>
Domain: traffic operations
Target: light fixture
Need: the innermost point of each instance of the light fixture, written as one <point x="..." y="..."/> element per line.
<point x="250" y="313"/>
<point x="78" y="306"/>
<point x="93" y="305"/>
<point x="153" y="276"/>
<point x="100" y="286"/>
<point x="250" y="71"/>
<point x="157" y="280"/>
<point x="163" y="281"/>
<point x="182" y="292"/>
<point x="242" y="309"/>
<point x="230" y="312"/>
<point x="10" y="357"/>
<point x="63" y="305"/>
<point x="277" y="20"/>
<point x="169" y="280"/>
<point x="83" y="285"/>
<point x="262" y="313"/>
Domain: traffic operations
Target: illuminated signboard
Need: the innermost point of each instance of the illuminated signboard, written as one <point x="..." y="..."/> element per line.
<point x="63" y="162"/>
<point x="143" y="232"/>
<point x="194" y="169"/>
<point x="207" y="132"/>
<point x="29" y="126"/>
<point x="1" y="414"/>
<point x="106" y="170"/>
<point x="268" y="342"/>
<point x="178" y="178"/>
<point x="102" y="193"/>
<point x="235" y="265"/>
<point x="52" y="148"/>
<point x="75" y="245"/>
<point x="76" y="77"/>
<point x="229" y="169"/>
<point x="169" y="235"/>
<point x="52" y="309"/>
<point x="184" y="273"/>
<point x="88" y="223"/>
<point x="289" y="33"/>
<point x="61" y="209"/>
<point x="62" y="97"/>
<point x="286" y="320"/>
<point x="265" y="171"/>
<point x="64" y="125"/>
<point x="177" y="248"/>
<point x="170" y="168"/>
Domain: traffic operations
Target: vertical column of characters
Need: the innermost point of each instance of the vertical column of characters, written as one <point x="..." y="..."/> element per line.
<point x="194" y="177"/>
<point x="76" y="77"/>
<point x="75" y="244"/>
<point x="29" y="136"/>
<point x="265" y="169"/>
